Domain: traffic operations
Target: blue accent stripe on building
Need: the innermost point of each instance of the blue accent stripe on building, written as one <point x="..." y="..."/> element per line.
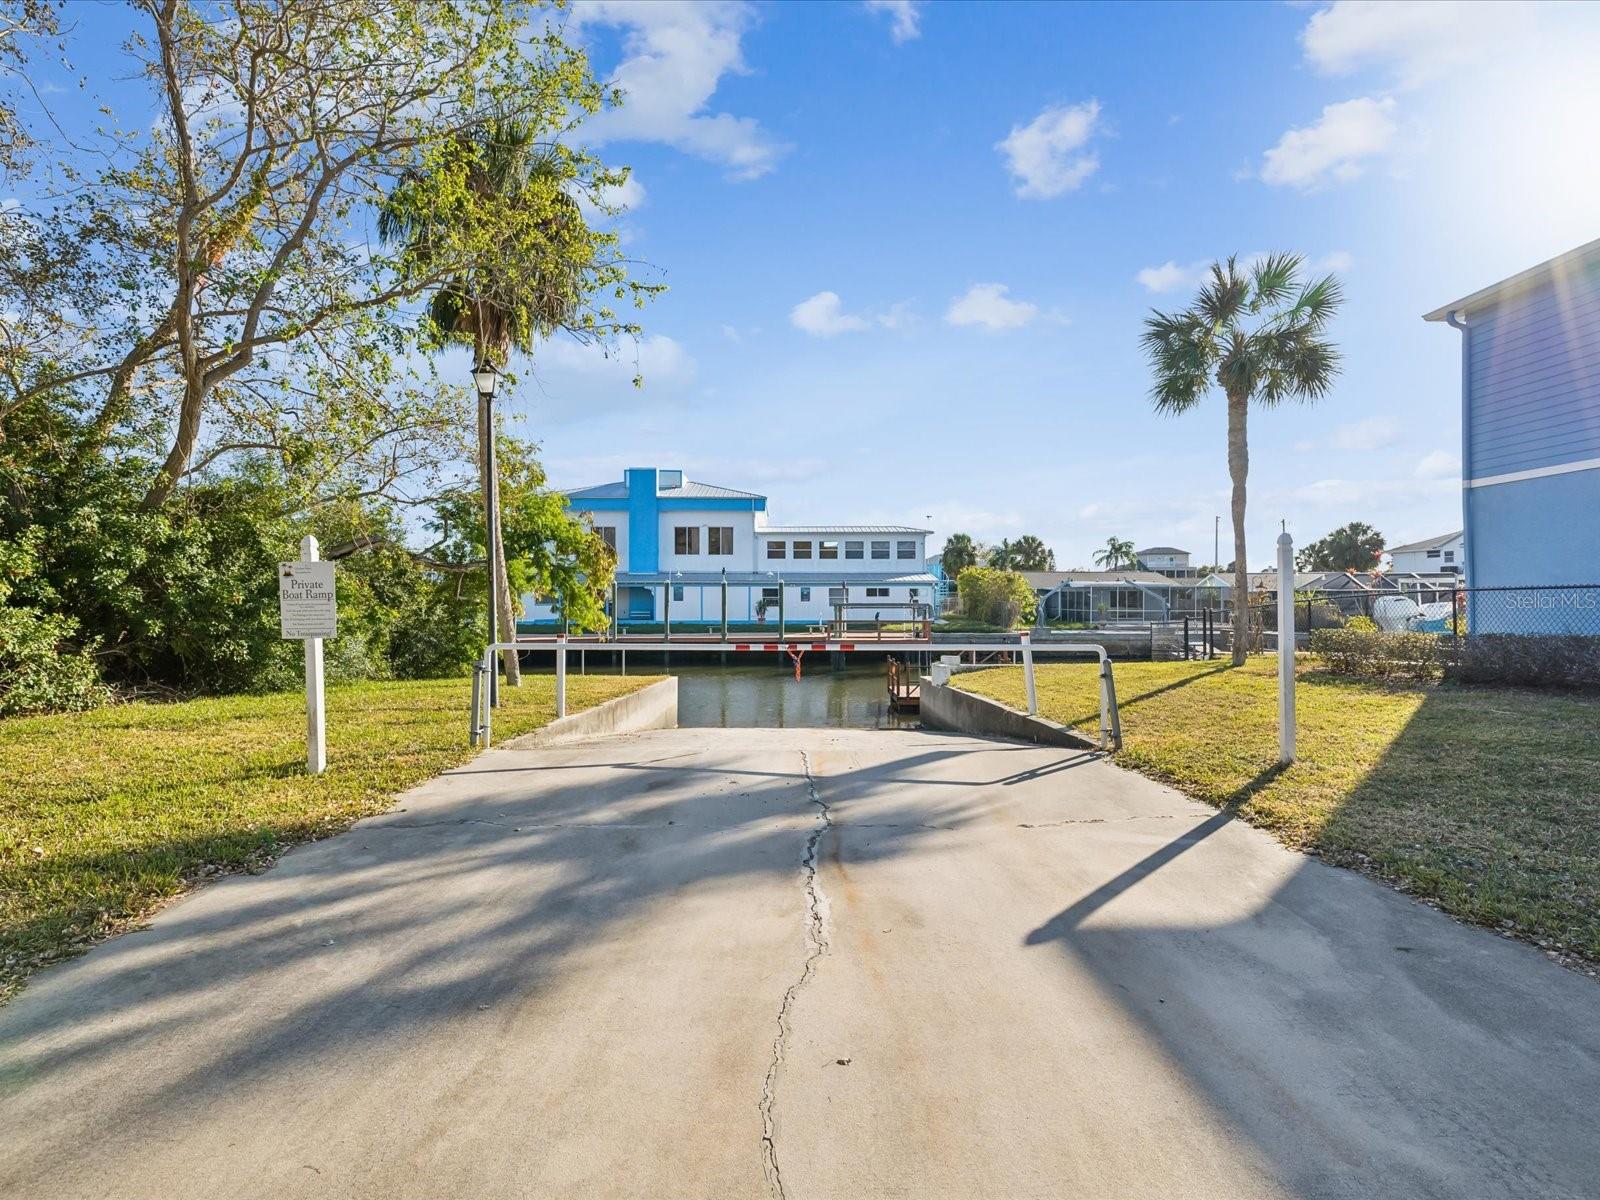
<point x="644" y="520"/>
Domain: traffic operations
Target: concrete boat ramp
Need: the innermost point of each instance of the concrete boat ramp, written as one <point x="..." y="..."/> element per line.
<point x="802" y="963"/>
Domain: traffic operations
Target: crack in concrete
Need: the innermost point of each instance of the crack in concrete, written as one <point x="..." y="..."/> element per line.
<point x="816" y="947"/>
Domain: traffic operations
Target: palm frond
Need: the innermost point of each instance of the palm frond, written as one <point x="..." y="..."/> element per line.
<point x="1273" y="278"/>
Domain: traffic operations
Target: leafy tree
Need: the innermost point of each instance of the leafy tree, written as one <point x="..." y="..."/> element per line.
<point x="997" y="597"/>
<point x="1002" y="557"/>
<point x="1255" y="333"/>
<point x="960" y="552"/>
<point x="497" y="203"/>
<point x="1117" y="556"/>
<point x="227" y="298"/>
<point x="1033" y="555"/>
<point x="21" y="23"/>
<point x="1353" y="547"/>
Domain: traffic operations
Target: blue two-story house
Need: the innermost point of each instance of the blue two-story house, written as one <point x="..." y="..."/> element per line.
<point x="1530" y="435"/>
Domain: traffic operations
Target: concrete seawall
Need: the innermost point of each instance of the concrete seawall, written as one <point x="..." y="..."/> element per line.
<point x="653" y="707"/>
<point x="945" y="707"/>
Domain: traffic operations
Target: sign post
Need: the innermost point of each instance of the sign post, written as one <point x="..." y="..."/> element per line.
<point x="308" y="610"/>
<point x="1286" y="647"/>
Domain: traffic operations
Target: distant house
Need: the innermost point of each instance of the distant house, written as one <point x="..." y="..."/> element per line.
<point x="1165" y="560"/>
<point x="1086" y="596"/>
<point x="1530" y="421"/>
<point x="1442" y="555"/>
<point x="683" y="545"/>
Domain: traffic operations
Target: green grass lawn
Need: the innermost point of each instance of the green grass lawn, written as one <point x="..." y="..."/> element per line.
<point x="1485" y="801"/>
<point x="104" y="815"/>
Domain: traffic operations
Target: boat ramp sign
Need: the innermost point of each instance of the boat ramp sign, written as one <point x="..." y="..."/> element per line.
<point x="306" y="604"/>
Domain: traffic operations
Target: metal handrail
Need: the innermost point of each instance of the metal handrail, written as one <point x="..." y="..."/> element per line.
<point x="481" y="720"/>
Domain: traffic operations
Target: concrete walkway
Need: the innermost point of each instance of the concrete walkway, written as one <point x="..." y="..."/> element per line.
<point x="751" y="963"/>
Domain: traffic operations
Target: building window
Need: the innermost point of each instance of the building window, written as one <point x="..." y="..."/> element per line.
<point x="769" y="595"/>
<point x="805" y="595"/>
<point x="905" y="549"/>
<point x="719" y="539"/>
<point x="608" y="535"/>
<point x="827" y="549"/>
<point x="1433" y="554"/>
<point x="677" y="591"/>
<point x="838" y="595"/>
<point x="1449" y="556"/>
<point x="914" y="593"/>
<point x="880" y="549"/>
<point x="686" y="539"/>
<point x="777" y="549"/>
<point x="877" y="593"/>
<point x="802" y="549"/>
<point x="852" y="549"/>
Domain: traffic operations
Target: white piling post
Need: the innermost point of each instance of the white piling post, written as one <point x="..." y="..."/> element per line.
<point x="1286" y="646"/>
<point x="316" y="717"/>
<point x="561" y="676"/>
<point x="1027" y="674"/>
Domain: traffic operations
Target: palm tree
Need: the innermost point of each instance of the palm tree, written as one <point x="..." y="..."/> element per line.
<point x="1031" y="554"/>
<point x="1117" y="555"/>
<point x="1255" y="334"/>
<point x="959" y="553"/>
<point x="1003" y="556"/>
<point x="504" y="297"/>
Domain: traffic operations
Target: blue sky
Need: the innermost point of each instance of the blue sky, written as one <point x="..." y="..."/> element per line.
<point x="829" y="190"/>
<point x="909" y="247"/>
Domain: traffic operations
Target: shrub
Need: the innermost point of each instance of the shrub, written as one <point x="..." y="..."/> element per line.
<point x="1361" y="624"/>
<point x="39" y="671"/>
<point x="1377" y="655"/>
<point x="996" y="597"/>
<point x="1526" y="659"/>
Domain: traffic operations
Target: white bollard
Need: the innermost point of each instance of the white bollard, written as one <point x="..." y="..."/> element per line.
<point x="561" y="676"/>
<point x="316" y="718"/>
<point x="1027" y="674"/>
<point x="1286" y="644"/>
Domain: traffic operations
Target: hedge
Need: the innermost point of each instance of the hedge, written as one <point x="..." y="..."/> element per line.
<point x="1378" y="655"/>
<point x="1529" y="660"/>
<point x="1535" y="660"/>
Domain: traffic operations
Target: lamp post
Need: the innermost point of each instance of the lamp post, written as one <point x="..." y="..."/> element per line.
<point x="486" y="377"/>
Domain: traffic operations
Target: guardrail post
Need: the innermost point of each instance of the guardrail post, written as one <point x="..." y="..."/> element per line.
<point x="1027" y="674"/>
<point x="488" y="706"/>
<point x="561" y="677"/>
<point x="1110" y="719"/>
<point x="473" y="729"/>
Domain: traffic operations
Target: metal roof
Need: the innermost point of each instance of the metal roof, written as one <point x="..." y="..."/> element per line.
<point x="1052" y="579"/>
<point x="689" y="488"/>
<point x="841" y="529"/>
<point x="1432" y="543"/>
<point x="1521" y="282"/>
<point x="1160" y="550"/>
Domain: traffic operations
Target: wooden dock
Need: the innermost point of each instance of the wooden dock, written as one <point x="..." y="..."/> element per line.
<point x="905" y="693"/>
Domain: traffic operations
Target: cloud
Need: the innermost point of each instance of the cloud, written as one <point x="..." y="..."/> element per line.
<point x="986" y="304"/>
<point x="621" y="199"/>
<point x="675" y="55"/>
<point x="1169" y="276"/>
<point x="1416" y="40"/>
<point x="1337" y="147"/>
<point x="1367" y="494"/>
<point x="1336" y="260"/>
<point x="823" y="315"/>
<point x="1438" y="464"/>
<point x="1370" y="433"/>
<point x="1047" y="155"/>
<point x="904" y="16"/>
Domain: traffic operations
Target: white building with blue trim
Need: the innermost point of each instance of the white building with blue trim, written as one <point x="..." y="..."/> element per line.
<point x="678" y="541"/>
<point x="1530" y="427"/>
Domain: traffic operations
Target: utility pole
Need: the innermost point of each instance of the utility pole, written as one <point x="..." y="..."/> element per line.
<point x="1216" y="542"/>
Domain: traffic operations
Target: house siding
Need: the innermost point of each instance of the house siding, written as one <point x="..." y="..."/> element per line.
<point x="1533" y="379"/>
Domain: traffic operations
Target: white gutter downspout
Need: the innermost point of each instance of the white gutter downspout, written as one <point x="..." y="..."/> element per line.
<point x="1453" y="320"/>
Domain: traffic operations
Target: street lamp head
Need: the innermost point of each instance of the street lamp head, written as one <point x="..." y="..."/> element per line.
<point x="487" y="377"/>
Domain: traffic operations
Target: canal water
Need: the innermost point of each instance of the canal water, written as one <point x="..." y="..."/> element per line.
<point x="764" y="695"/>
